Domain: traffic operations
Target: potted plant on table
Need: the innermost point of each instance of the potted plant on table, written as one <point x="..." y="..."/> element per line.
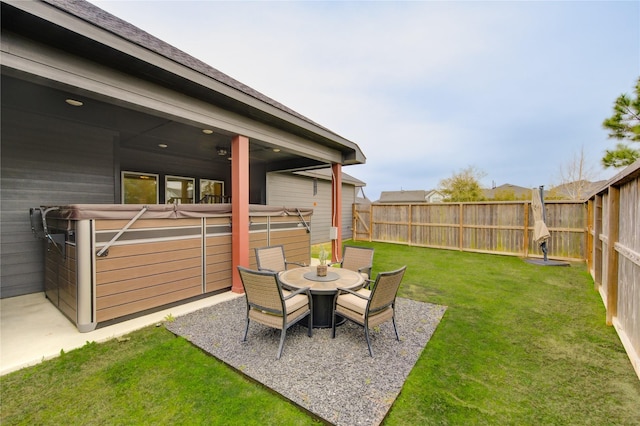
<point x="322" y="267"/>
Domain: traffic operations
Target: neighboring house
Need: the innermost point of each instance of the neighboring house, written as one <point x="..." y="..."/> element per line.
<point x="312" y="189"/>
<point x="578" y="190"/>
<point x="361" y="197"/>
<point x="414" y="196"/>
<point x="97" y="111"/>
<point x="507" y="191"/>
<point x="434" y="196"/>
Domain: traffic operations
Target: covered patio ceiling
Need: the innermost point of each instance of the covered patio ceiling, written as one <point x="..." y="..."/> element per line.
<point x="144" y="131"/>
<point x="148" y="91"/>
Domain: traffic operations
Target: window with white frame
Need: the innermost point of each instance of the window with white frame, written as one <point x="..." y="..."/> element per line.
<point x="211" y="191"/>
<point x="179" y="190"/>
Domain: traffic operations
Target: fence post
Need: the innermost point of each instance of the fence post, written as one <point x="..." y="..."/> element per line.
<point x="410" y="219"/>
<point x="589" y="236"/>
<point x="370" y="222"/>
<point x="354" y="222"/>
<point x="597" y="243"/>
<point x="612" y="255"/>
<point x="461" y="231"/>
<point x="525" y="236"/>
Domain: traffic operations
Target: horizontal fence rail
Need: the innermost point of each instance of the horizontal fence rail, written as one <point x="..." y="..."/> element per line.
<point x="504" y="228"/>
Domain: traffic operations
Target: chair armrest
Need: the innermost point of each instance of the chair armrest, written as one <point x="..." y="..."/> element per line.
<point x="346" y="290"/>
<point x="367" y="283"/>
<point x="294" y="263"/>
<point x="298" y="291"/>
<point x="266" y="270"/>
<point x="366" y="269"/>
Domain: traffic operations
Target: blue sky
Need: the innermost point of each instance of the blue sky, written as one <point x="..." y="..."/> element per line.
<point x="426" y="89"/>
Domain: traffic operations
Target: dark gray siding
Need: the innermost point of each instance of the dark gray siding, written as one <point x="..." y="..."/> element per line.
<point x="45" y="162"/>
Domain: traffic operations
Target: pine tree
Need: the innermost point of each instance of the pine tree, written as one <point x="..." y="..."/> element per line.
<point x="624" y="124"/>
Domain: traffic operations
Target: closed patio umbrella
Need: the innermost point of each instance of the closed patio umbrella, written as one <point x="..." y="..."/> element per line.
<point x="540" y="231"/>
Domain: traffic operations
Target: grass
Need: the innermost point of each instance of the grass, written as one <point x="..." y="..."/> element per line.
<point x="519" y="344"/>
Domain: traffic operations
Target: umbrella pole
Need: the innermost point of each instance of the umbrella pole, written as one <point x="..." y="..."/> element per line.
<point x="543" y="245"/>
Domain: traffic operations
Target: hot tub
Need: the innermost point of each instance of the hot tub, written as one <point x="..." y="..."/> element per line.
<point x="108" y="262"/>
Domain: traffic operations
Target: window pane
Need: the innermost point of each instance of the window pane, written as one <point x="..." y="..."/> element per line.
<point x="211" y="191"/>
<point x="139" y="188"/>
<point x="179" y="190"/>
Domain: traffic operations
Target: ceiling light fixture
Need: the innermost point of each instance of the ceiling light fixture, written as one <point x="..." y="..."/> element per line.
<point x="163" y="145"/>
<point x="276" y="149"/>
<point x="207" y="131"/>
<point x="74" y="102"/>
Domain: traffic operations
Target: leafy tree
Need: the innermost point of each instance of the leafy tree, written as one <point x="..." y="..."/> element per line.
<point x="463" y="186"/>
<point x="624" y="124"/>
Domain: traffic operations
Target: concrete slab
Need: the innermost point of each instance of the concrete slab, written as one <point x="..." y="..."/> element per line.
<point x="33" y="330"/>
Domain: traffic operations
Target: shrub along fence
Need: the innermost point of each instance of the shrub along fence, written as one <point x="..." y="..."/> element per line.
<point x="604" y="231"/>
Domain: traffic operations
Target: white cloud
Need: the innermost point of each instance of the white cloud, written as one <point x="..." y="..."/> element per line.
<point x="424" y="88"/>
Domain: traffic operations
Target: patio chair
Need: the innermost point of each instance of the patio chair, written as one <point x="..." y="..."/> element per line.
<point x="369" y="308"/>
<point x="272" y="259"/>
<point x="270" y="305"/>
<point x="358" y="259"/>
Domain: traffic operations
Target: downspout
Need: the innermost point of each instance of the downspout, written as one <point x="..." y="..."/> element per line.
<point x="336" y="211"/>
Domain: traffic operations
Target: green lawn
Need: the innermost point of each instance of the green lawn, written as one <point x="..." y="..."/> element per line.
<point x="519" y="344"/>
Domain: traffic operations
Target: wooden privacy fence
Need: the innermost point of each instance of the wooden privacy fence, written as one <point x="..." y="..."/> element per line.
<point x="613" y="255"/>
<point x="603" y="231"/>
<point x="484" y="227"/>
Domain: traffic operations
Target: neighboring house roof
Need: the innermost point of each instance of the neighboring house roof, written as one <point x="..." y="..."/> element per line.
<point x="413" y="196"/>
<point x="577" y="190"/>
<point x="325" y="174"/>
<point x="519" y="192"/>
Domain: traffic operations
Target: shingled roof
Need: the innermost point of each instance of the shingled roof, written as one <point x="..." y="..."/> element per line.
<point x="100" y="18"/>
<point x="412" y="196"/>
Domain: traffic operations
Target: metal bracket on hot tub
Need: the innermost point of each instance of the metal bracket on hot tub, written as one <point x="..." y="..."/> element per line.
<point x="104" y="251"/>
<point x="306" y="225"/>
<point x="41" y="230"/>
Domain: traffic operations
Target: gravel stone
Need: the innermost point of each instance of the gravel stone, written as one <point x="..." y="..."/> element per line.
<point x="334" y="379"/>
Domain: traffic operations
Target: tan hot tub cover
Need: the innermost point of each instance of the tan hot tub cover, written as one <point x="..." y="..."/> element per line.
<point x="165" y="211"/>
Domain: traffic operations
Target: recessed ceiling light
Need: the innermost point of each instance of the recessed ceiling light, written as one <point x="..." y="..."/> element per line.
<point x="207" y="131"/>
<point x="276" y="149"/>
<point x="74" y="102"/>
<point x="163" y="145"/>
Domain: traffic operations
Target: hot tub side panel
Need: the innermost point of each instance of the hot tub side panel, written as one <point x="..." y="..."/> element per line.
<point x="154" y="263"/>
<point x="258" y="237"/>
<point x="292" y="233"/>
<point x="60" y="270"/>
<point x="217" y="254"/>
<point x="60" y="279"/>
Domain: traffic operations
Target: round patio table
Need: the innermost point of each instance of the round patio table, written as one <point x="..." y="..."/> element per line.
<point x="323" y="289"/>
